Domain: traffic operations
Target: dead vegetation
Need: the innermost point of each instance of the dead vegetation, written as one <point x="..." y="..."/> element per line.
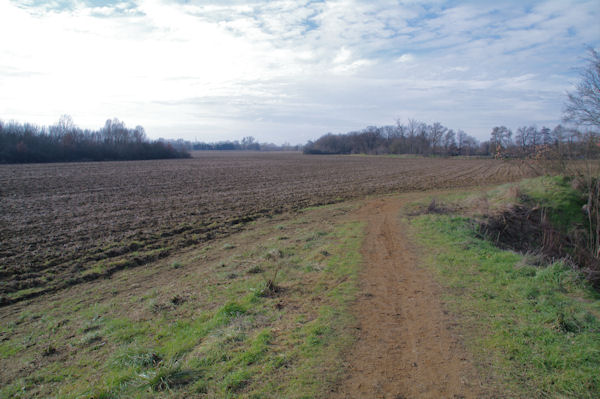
<point x="556" y="228"/>
<point x="528" y="230"/>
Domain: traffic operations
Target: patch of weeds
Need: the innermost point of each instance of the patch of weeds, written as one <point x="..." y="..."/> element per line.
<point x="170" y="377"/>
<point x="124" y="330"/>
<point x="312" y="267"/>
<point x="178" y="300"/>
<point x="49" y="351"/>
<point x="150" y="294"/>
<point x="274" y="254"/>
<point x="435" y="206"/>
<point x="316" y="334"/>
<point x="200" y="386"/>
<point x="537" y="325"/>
<point x="270" y="287"/>
<point x="120" y="264"/>
<point x="236" y="380"/>
<point x="229" y="310"/>
<point x="176" y="265"/>
<point x="255" y="270"/>
<point x="99" y="268"/>
<point x="137" y="357"/>
<point x="90" y="338"/>
<point x="9" y="349"/>
<point x="315" y="236"/>
<point x="91" y="326"/>
<point x="555" y="194"/>
<point x="257" y="349"/>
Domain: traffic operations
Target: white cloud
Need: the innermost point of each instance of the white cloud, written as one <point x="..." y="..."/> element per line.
<point x="289" y="67"/>
<point x="342" y="56"/>
<point x="405" y="58"/>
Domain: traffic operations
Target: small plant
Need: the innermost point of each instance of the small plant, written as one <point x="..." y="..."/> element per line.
<point x="236" y="380"/>
<point x="49" y="351"/>
<point x="91" y="338"/>
<point x="231" y="309"/>
<point x="274" y="254"/>
<point x="255" y="269"/>
<point x="138" y="357"/>
<point x="178" y="300"/>
<point x="228" y="246"/>
<point x="270" y="287"/>
<point x="437" y="208"/>
<point x="170" y="377"/>
<point x="176" y="265"/>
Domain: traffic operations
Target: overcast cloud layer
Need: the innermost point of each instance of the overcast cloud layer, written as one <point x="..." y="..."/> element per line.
<point x="291" y="70"/>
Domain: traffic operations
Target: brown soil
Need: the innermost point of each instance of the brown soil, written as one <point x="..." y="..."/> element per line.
<point x="406" y="347"/>
<point x="65" y="224"/>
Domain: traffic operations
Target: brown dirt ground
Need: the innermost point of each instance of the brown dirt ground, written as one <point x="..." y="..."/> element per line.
<point x="68" y="223"/>
<point x="406" y="345"/>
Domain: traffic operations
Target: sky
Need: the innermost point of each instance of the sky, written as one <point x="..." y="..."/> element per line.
<point x="291" y="71"/>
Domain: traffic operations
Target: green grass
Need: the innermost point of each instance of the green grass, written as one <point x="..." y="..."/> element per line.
<point x="537" y="326"/>
<point x="555" y="194"/>
<point x="9" y="349"/>
<point x="223" y="338"/>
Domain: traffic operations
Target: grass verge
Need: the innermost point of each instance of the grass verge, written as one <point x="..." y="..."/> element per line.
<point x="263" y="315"/>
<point x="534" y="328"/>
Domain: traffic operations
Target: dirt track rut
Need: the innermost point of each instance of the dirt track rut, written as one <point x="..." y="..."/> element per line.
<point x="407" y="347"/>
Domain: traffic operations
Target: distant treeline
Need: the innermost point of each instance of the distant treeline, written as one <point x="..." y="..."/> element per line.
<point x="247" y="144"/>
<point x="531" y="142"/>
<point x="413" y="138"/>
<point x="65" y="142"/>
<point x="422" y="139"/>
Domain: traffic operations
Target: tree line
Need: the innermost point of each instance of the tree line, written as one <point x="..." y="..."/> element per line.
<point x="530" y="142"/>
<point x="436" y="139"/>
<point x="248" y="143"/>
<point x="580" y="139"/>
<point x="65" y="142"/>
<point x="415" y="137"/>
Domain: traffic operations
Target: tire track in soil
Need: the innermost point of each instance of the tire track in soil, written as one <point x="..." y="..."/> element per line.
<point x="406" y="347"/>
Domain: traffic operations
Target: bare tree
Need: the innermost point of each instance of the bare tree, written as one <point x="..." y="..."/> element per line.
<point x="461" y="137"/>
<point x="522" y="138"/>
<point x="546" y="135"/>
<point x="501" y="137"/>
<point x="450" y="142"/>
<point x="436" y="134"/>
<point x="139" y="134"/>
<point x="469" y="145"/>
<point x="583" y="105"/>
<point x="412" y="129"/>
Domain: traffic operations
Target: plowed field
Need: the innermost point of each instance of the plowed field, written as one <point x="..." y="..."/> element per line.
<point x="61" y="224"/>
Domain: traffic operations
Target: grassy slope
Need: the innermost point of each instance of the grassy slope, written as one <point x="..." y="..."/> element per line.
<point x="200" y="325"/>
<point x="535" y="329"/>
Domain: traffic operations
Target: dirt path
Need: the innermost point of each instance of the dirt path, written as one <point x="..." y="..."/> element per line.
<point x="406" y="347"/>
